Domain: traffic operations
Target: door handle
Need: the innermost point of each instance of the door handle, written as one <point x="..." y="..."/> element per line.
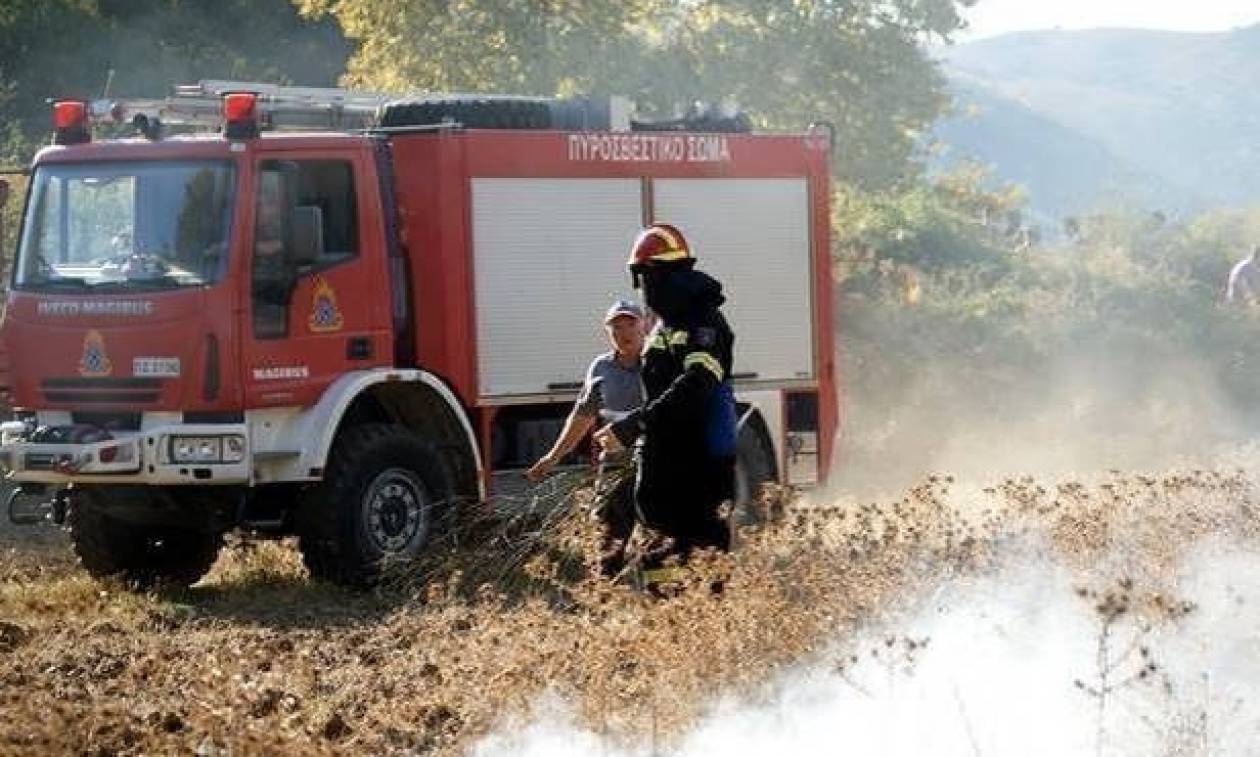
<point x="358" y="348"/>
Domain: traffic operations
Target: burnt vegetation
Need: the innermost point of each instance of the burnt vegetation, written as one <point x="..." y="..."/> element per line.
<point x="257" y="658"/>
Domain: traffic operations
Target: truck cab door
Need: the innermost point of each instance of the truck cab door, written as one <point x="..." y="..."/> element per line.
<point x="318" y="288"/>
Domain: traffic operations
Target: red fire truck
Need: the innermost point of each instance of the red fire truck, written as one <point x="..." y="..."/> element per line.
<point x="337" y="332"/>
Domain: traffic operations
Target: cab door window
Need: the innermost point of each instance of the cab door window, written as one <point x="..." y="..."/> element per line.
<point x="305" y="220"/>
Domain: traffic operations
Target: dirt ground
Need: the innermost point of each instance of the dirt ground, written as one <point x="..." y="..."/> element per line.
<point x="257" y="659"/>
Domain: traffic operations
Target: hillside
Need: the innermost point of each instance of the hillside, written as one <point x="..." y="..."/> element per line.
<point x="1156" y="117"/>
<point x="1065" y="171"/>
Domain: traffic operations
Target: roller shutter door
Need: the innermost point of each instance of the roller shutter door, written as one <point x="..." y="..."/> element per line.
<point x="753" y="236"/>
<point x="549" y="257"/>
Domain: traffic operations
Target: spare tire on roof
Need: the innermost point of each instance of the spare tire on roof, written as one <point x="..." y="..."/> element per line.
<point x="571" y="114"/>
<point x="472" y="112"/>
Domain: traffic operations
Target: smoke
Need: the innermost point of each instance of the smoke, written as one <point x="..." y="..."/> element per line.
<point x="1093" y="412"/>
<point x="926" y="395"/>
<point x="1021" y="662"/>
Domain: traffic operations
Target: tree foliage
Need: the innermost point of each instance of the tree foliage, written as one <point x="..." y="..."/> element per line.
<point x="67" y="48"/>
<point x="511" y="46"/>
<point x="858" y="64"/>
<point x="931" y="226"/>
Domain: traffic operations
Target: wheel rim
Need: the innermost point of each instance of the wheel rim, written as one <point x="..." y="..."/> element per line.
<point x="396" y="511"/>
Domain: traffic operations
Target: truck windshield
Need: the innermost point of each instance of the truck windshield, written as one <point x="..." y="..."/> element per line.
<point x="126" y="226"/>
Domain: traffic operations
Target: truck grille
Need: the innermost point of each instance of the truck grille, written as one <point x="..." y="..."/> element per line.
<point x="110" y="420"/>
<point x="96" y="391"/>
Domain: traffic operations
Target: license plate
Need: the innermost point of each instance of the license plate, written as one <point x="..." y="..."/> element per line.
<point x="155" y="367"/>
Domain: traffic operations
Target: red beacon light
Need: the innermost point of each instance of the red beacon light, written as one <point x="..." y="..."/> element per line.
<point x="240" y="115"/>
<point x="70" y="122"/>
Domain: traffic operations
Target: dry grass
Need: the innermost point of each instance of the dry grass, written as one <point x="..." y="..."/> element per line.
<point x="258" y="660"/>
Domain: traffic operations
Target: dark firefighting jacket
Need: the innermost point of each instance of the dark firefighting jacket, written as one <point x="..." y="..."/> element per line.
<point x="686" y="429"/>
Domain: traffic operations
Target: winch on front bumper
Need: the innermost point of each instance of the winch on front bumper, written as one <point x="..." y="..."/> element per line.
<point x="166" y="455"/>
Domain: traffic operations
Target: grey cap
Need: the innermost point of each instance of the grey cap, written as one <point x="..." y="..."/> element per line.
<point x="623" y="307"/>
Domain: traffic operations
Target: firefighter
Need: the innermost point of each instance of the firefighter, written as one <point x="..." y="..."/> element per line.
<point x="686" y="429"/>
<point x="612" y="389"/>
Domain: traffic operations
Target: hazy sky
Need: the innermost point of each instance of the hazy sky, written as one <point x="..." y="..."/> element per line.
<point x="991" y="17"/>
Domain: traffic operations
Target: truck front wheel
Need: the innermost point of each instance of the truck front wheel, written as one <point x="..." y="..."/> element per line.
<point x="375" y="507"/>
<point x="142" y="555"/>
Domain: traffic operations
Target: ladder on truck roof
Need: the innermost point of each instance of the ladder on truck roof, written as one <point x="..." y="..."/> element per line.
<point x="310" y="108"/>
<point x="279" y="107"/>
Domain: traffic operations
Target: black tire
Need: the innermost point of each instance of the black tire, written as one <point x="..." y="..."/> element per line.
<point x="375" y="508"/>
<point x="141" y="555"/>
<point x="470" y="112"/>
<point x="754" y="467"/>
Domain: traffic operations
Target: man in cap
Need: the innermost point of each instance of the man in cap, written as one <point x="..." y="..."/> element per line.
<point x="686" y="429"/>
<point x="612" y="389"/>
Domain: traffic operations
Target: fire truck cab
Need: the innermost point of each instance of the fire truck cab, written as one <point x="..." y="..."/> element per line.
<point x="347" y="334"/>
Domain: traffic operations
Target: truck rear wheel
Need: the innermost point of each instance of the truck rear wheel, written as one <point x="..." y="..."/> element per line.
<point x="376" y="506"/>
<point x="142" y="555"/>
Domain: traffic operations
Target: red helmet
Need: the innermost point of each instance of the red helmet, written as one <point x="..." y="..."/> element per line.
<point x="659" y="243"/>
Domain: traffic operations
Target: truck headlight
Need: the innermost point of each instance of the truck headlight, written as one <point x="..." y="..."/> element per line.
<point x="208" y="449"/>
<point x="15" y="431"/>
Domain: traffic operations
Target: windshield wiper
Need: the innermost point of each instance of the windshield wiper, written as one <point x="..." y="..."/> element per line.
<point x="157" y="282"/>
<point x="66" y="282"/>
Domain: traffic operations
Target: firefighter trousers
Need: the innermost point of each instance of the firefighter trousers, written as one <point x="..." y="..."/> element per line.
<point x="684" y="509"/>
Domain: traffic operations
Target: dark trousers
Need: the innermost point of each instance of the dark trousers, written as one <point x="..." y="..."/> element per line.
<point x="683" y="505"/>
<point x="614" y="502"/>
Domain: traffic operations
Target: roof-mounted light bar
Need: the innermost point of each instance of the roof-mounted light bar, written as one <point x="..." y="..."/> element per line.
<point x="240" y="115"/>
<point x="70" y="122"/>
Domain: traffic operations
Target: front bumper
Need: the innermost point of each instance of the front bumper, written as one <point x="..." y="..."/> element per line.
<point x="138" y="457"/>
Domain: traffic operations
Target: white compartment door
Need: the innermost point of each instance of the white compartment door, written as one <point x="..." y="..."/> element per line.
<point x="549" y="258"/>
<point x="753" y="236"/>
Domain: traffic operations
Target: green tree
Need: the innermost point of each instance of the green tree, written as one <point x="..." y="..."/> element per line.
<point x="9" y="216"/>
<point x="857" y="64"/>
<point x="68" y="48"/>
<point x="540" y="47"/>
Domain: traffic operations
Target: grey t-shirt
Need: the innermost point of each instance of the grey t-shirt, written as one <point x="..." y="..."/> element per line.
<point x="610" y="391"/>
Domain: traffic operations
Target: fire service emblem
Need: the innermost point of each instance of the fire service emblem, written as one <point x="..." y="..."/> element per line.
<point x="325" y="315"/>
<point x="94" y="361"/>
